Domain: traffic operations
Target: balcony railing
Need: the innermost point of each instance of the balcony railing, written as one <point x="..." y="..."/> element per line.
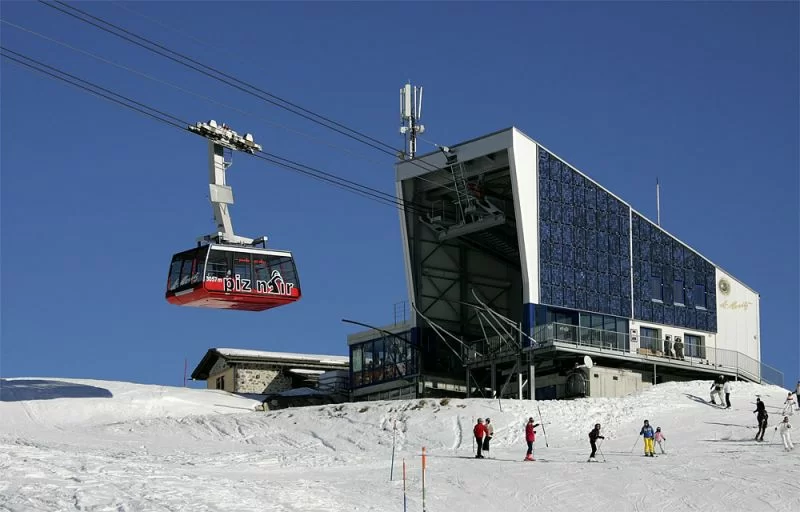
<point x="616" y="343"/>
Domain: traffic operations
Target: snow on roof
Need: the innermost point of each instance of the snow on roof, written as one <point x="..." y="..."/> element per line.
<point x="287" y="356"/>
<point x="304" y="371"/>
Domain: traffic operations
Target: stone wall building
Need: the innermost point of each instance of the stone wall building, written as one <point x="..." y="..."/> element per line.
<point x="259" y="372"/>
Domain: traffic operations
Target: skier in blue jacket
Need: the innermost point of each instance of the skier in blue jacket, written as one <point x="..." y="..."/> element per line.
<point x="649" y="445"/>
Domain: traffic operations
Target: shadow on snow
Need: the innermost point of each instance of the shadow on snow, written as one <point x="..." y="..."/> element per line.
<point x="30" y="389"/>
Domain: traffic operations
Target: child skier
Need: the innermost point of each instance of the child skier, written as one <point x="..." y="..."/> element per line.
<point x="786" y="434"/>
<point x="762" y="419"/>
<point x="659" y="438"/>
<point x="594" y="435"/>
<point x="489" y="433"/>
<point x="726" y="388"/>
<point x="716" y="389"/>
<point x="647" y="432"/>
<point x="480" y="432"/>
<point x="530" y="437"/>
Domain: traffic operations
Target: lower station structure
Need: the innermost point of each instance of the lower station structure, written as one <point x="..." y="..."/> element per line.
<point x="518" y="265"/>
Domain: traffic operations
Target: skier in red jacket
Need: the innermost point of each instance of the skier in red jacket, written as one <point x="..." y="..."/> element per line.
<point x="480" y="433"/>
<point x="530" y="437"/>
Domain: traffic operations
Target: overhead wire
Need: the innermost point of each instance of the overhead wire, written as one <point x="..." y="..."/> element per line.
<point x="393" y="151"/>
<point x="159" y="115"/>
<point x="187" y="91"/>
<point x="262" y="94"/>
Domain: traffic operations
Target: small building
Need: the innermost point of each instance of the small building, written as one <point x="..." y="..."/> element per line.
<point x="260" y="372"/>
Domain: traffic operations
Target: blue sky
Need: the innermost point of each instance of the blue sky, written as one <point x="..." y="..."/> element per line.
<point x="96" y="198"/>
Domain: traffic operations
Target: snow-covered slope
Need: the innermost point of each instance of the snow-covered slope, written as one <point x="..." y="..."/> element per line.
<point x="68" y="444"/>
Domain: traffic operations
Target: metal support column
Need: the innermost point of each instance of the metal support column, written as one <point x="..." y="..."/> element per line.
<point x="493" y="369"/>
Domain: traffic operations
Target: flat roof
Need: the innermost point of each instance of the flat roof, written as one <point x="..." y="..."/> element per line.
<point x="288" y="359"/>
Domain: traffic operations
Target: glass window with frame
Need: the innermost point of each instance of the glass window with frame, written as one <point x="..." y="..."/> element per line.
<point x="242" y="266"/>
<point x="694" y="346"/>
<point x="656" y="292"/>
<point x="677" y="293"/>
<point x="187" y="269"/>
<point x="699" y="296"/>
<point x="218" y="265"/>
<point x="175" y="272"/>
<point x="649" y="338"/>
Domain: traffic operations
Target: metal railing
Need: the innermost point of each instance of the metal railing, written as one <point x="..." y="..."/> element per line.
<point x="402" y="312"/>
<point x="615" y="343"/>
<point x="770" y="375"/>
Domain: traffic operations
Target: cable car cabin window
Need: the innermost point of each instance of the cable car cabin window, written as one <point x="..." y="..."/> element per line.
<point x="175" y="272"/>
<point x="275" y="274"/>
<point x="217" y="266"/>
<point x="186" y="269"/>
<point x="242" y="272"/>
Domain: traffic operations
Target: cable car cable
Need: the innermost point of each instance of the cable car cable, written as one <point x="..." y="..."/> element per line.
<point x="187" y="91"/>
<point x="355" y="187"/>
<point x="391" y="150"/>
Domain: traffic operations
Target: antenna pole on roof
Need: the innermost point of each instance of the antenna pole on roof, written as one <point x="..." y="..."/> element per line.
<point x="658" y="202"/>
<point x="410" y="114"/>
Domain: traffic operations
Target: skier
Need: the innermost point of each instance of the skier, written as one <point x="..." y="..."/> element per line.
<point x="659" y="438"/>
<point x="797" y="394"/>
<point x="530" y="437"/>
<point x="716" y="389"/>
<point x="788" y="405"/>
<point x="489" y="433"/>
<point x="786" y="434"/>
<point x="647" y="432"/>
<point x="594" y="435"/>
<point x="762" y="418"/>
<point x="726" y="388"/>
<point x="480" y="432"/>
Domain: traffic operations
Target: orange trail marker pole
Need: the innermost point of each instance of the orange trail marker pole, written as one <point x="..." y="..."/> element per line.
<point x="423" y="479"/>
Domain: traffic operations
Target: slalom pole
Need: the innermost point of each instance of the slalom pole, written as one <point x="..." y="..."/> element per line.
<point x="405" y="499"/>
<point x="394" y="435"/>
<point x="423" y="480"/>
<point x="543" y="430"/>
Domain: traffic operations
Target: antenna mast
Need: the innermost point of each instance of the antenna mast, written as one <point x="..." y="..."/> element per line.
<point x="410" y="114"/>
<point x="658" y="202"/>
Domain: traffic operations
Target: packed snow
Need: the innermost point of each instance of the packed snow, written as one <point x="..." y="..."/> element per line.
<point x="71" y="444"/>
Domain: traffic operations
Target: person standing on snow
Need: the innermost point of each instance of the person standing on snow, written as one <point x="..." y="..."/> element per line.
<point x="762" y="418"/>
<point x="786" y="433"/>
<point x="659" y="438"/>
<point x="788" y="405"/>
<point x="797" y="395"/>
<point x="489" y="433"/>
<point x="480" y="433"/>
<point x="726" y="388"/>
<point x="594" y="435"/>
<point x="716" y="389"/>
<point x="530" y="437"/>
<point x="647" y="432"/>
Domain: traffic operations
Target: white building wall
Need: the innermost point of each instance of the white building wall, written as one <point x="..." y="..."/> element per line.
<point x="525" y="182"/>
<point x="738" y="316"/>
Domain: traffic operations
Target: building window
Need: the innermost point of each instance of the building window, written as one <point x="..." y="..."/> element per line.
<point x="678" y="293"/>
<point x="220" y="383"/>
<point x="695" y="346"/>
<point x="700" y="296"/>
<point x="649" y="338"/>
<point x="383" y="359"/>
<point x="656" y="291"/>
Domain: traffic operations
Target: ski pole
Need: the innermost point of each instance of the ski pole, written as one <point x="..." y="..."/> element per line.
<point x="634" y="444"/>
<point x="773" y="435"/>
<point x="543" y="429"/>
<point x="601" y="451"/>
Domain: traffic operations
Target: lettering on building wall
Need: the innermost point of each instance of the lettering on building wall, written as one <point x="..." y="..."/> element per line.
<point x="734" y="305"/>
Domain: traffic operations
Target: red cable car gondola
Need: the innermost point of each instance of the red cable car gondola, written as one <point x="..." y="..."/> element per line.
<point x="232" y="277"/>
<point x="226" y="271"/>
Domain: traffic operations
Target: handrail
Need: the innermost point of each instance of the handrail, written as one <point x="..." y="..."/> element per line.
<point x="648" y="349"/>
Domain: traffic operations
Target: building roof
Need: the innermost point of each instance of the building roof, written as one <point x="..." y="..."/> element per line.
<point x="294" y="360"/>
